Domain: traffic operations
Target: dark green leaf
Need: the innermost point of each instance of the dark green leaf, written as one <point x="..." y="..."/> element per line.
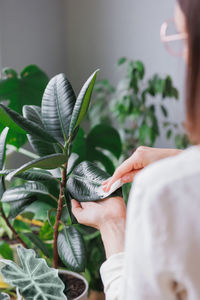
<point x="82" y="102"/>
<point x="169" y="133"/>
<point x="39" y="243"/>
<point x="46" y="162"/>
<point x="20" y="197"/>
<point x="5" y="251"/>
<point x="71" y="249"/>
<point x="32" y="175"/>
<point x="3" y="146"/>
<point x="43" y="282"/>
<point x="84" y="183"/>
<point x="95" y="155"/>
<point x="27" y="126"/>
<point x="57" y="106"/>
<point x="4" y="296"/>
<point x="33" y="113"/>
<point x="164" y="111"/>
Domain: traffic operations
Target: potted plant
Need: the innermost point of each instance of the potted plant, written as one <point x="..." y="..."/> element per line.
<point x="52" y="131"/>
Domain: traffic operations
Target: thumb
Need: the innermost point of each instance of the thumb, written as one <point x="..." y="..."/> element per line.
<point x="76" y="207"/>
<point x="129" y="176"/>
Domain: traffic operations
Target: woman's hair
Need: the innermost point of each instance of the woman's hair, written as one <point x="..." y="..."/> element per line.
<point x="191" y="10"/>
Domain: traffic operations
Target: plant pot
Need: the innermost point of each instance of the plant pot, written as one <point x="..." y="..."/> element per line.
<point x="94" y="295"/>
<point x="76" y="280"/>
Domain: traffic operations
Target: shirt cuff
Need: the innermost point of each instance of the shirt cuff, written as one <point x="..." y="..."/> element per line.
<point x="111" y="270"/>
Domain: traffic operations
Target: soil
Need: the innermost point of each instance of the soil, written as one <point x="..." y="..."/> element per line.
<point x="74" y="287"/>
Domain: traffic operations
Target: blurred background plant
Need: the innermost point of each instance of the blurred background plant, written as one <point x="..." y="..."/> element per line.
<point x="134" y="107"/>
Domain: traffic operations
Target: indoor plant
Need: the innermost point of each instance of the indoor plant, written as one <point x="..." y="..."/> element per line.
<point x="52" y="132"/>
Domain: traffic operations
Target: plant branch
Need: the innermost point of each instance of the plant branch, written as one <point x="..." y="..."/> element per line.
<point x="58" y="217"/>
<point x="12" y="229"/>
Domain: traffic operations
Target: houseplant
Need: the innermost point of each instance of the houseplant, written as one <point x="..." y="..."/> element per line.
<point x="52" y="131"/>
<point x="134" y="106"/>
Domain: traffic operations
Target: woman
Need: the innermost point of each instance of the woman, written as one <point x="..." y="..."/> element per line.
<point x="160" y="258"/>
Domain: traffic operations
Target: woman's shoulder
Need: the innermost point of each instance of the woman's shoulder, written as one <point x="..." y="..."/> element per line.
<point x="173" y="169"/>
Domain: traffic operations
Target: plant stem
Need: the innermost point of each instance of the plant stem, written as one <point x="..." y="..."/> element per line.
<point x="58" y="217"/>
<point x="12" y="229"/>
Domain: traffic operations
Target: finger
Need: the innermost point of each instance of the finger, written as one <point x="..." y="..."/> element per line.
<point x="122" y="170"/>
<point x="105" y="181"/>
<point x="129" y="176"/>
<point x="76" y="207"/>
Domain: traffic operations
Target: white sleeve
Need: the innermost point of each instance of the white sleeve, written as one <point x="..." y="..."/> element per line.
<point x="142" y="272"/>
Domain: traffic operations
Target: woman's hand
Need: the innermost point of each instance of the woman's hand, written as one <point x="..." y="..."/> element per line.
<point x="108" y="216"/>
<point x="142" y="157"/>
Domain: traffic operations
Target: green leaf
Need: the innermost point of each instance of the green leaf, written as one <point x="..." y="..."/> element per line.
<point x="57" y="106"/>
<point x="39" y="244"/>
<point x="95" y="155"/>
<point x="5" y="251"/>
<point x="4" y="296"/>
<point x="46" y="231"/>
<point x="18" y="91"/>
<point x="169" y="133"/>
<point x="71" y="249"/>
<point x="3" y="146"/>
<point x="20" y="197"/>
<point x="32" y="175"/>
<point x="33" y="113"/>
<point x="42" y="282"/>
<point x="27" y="126"/>
<point x="105" y="137"/>
<point x="122" y="60"/>
<point x="46" y="162"/>
<point x="82" y="102"/>
<point x="84" y="183"/>
<point x="164" y="111"/>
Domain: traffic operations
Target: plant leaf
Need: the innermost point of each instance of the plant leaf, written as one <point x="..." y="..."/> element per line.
<point x="32" y="175"/>
<point x="84" y="183"/>
<point x="33" y="113"/>
<point x="20" y="197"/>
<point x="34" y="279"/>
<point x="82" y="102"/>
<point x="105" y="137"/>
<point x="57" y="106"/>
<point x="46" y="162"/>
<point x="39" y="243"/>
<point x="3" y="139"/>
<point x="71" y="249"/>
<point x="4" y="296"/>
<point x="5" y="251"/>
<point x="26" y="125"/>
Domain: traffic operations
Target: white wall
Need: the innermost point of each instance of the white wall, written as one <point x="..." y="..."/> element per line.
<point x="100" y="31"/>
<point x="32" y="32"/>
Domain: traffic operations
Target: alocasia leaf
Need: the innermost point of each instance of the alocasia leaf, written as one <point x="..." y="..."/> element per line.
<point x="34" y="279"/>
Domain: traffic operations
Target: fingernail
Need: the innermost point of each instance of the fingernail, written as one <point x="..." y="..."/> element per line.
<point x="126" y="178"/>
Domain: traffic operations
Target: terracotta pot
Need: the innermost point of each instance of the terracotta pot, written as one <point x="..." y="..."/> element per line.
<point x="84" y="295"/>
<point x="94" y="295"/>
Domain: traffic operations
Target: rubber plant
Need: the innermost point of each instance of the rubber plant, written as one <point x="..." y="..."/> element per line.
<point x="53" y="131"/>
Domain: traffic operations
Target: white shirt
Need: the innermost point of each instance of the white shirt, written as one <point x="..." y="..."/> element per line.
<point x="162" y="244"/>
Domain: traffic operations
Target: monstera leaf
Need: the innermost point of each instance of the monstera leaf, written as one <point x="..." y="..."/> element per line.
<point x="57" y="106"/>
<point x="71" y="249"/>
<point x="4" y="296"/>
<point x="17" y="90"/>
<point x="34" y="279"/>
<point x="84" y="183"/>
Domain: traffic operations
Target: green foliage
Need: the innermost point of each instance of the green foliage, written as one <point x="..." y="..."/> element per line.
<point x="5" y="250"/>
<point x="27" y="88"/>
<point x="34" y="279"/>
<point x="71" y="249"/>
<point x="133" y="106"/>
<point x="54" y="133"/>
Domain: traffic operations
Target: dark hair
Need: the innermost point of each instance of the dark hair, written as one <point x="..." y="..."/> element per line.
<point x="191" y="10"/>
